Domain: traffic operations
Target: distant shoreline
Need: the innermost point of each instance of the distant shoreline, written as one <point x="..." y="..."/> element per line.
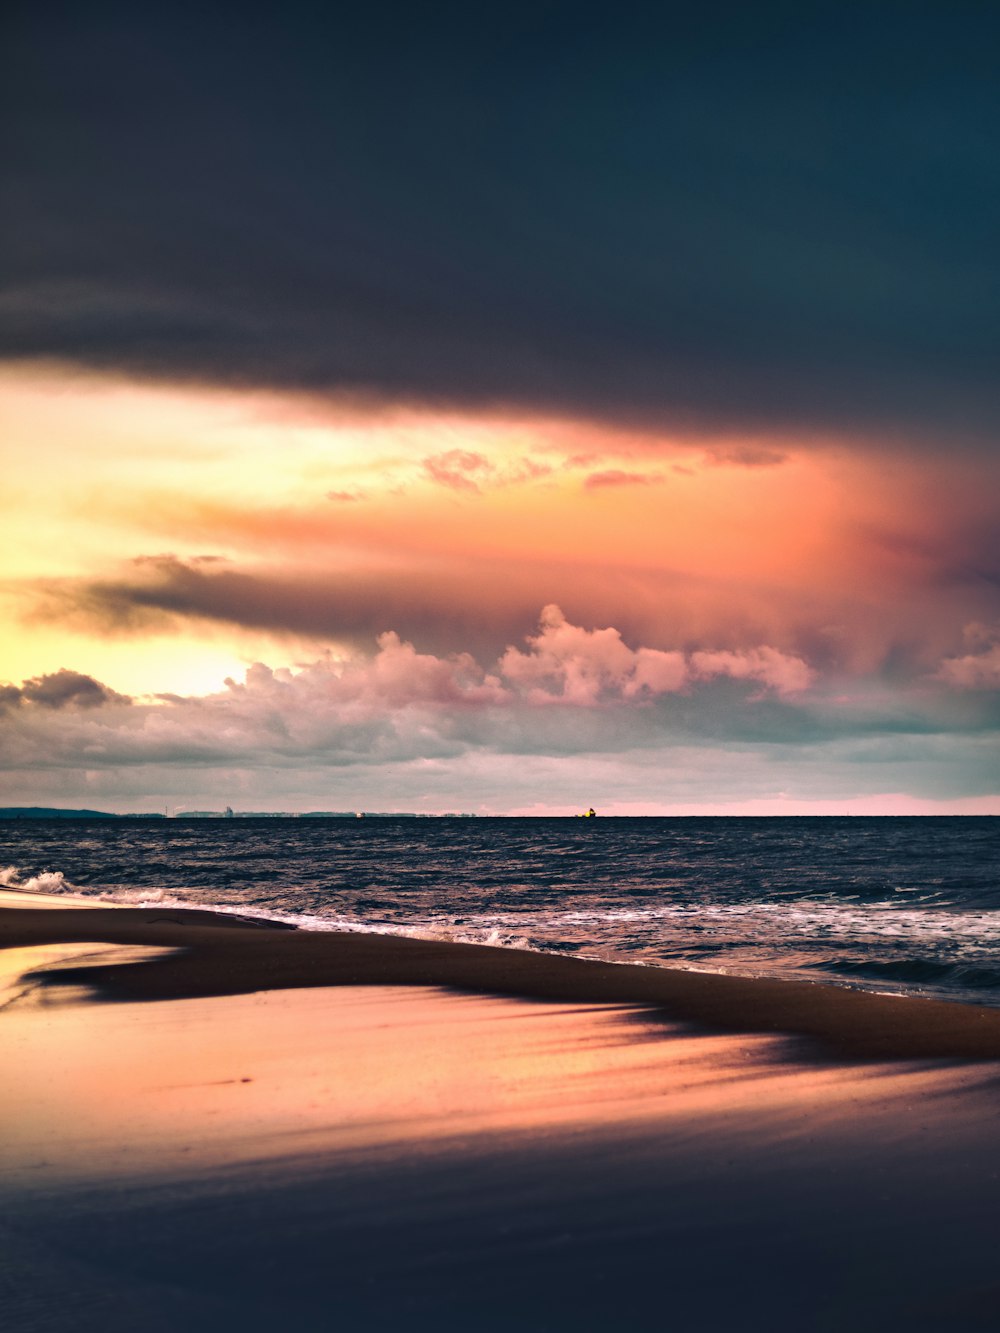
<point x="14" y="813"/>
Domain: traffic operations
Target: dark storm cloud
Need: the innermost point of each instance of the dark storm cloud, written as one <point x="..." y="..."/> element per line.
<point x="483" y="606"/>
<point x="774" y="214"/>
<point x="157" y="591"/>
<point x="442" y="610"/>
<point x="60" y="689"/>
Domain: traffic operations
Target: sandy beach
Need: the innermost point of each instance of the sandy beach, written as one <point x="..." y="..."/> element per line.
<point x="213" y="1123"/>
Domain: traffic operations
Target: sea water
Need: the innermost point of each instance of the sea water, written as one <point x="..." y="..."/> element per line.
<point x="894" y="904"/>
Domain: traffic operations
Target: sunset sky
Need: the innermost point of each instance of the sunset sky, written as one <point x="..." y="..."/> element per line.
<point x="501" y="409"/>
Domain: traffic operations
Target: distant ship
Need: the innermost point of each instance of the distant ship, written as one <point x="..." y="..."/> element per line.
<point x="588" y="814"/>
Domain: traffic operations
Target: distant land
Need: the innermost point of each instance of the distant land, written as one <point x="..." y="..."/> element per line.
<point x="47" y="812"/>
<point x="54" y="812"/>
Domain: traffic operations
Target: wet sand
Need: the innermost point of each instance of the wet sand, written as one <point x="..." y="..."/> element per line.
<point x="326" y="1132"/>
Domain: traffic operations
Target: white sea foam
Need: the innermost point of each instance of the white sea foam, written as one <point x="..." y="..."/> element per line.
<point x="143" y="898"/>
<point x="779" y="920"/>
<point x="485" y="932"/>
<point x="50" y="881"/>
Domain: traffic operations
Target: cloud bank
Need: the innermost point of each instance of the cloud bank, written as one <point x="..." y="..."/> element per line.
<point x="754" y="215"/>
<point x="400" y="725"/>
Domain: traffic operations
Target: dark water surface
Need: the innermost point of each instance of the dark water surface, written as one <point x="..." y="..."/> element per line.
<point x="895" y="904"/>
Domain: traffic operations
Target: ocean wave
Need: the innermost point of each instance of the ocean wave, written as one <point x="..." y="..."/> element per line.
<point x="917" y="972"/>
<point x="49" y="881"/>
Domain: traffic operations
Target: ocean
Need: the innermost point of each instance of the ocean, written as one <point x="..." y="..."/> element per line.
<point x="894" y="905"/>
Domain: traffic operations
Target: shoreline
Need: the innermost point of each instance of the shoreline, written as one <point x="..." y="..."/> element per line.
<point x="214" y="955"/>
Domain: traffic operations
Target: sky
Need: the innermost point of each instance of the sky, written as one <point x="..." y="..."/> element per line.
<point x="506" y="409"/>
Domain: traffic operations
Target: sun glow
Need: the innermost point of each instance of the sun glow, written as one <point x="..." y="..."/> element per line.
<point x="110" y="483"/>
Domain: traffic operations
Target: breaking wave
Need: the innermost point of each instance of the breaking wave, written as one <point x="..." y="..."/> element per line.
<point x="49" y="881"/>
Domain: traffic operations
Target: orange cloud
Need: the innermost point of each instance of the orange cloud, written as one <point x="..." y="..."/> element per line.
<point x="616" y="477"/>
<point x="458" y="469"/>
